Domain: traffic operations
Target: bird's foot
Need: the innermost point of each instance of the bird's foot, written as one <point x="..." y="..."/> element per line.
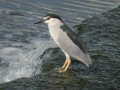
<point x="64" y="67"/>
<point x="62" y="70"/>
<point x="59" y="70"/>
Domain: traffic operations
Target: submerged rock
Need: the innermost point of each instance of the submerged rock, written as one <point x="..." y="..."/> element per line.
<point x="102" y="38"/>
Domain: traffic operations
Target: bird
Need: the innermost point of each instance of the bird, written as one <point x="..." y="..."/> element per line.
<point x="66" y="39"/>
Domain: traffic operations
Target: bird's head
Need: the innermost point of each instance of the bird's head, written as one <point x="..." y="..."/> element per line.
<point x="50" y="19"/>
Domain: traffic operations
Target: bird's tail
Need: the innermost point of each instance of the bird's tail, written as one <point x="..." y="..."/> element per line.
<point x="85" y="58"/>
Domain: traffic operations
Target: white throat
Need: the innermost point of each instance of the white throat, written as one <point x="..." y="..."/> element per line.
<point x="54" y="22"/>
<point x="55" y="30"/>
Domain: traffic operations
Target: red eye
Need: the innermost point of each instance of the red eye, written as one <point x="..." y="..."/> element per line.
<point x="48" y="17"/>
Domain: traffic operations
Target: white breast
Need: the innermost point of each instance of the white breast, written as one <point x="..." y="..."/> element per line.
<point x="55" y="31"/>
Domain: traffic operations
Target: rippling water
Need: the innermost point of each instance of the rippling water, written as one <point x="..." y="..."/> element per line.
<point x="22" y="42"/>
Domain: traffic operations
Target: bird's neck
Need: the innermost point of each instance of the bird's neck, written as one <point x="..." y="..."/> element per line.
<point x="56" y="23"/>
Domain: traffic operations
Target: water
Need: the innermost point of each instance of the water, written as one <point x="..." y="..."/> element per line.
<point x="22" y="42"/>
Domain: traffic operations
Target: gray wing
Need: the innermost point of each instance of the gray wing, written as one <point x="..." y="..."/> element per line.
<point x="71" y="34"/>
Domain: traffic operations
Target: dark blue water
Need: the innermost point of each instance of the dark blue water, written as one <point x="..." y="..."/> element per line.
<point x="22" y="42"/>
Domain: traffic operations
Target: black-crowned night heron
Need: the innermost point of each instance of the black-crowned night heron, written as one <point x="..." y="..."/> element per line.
<point x="66" y="39"/>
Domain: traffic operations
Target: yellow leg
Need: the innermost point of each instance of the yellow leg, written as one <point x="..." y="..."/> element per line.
<point x="65" y="66"/>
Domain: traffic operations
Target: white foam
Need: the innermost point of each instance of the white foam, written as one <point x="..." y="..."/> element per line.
<point x="25" y="65"/>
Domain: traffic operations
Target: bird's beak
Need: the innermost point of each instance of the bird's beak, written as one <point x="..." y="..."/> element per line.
<point x="40" y="21"/>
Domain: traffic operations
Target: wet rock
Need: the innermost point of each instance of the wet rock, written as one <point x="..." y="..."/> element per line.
<point x="102" y="38"/>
